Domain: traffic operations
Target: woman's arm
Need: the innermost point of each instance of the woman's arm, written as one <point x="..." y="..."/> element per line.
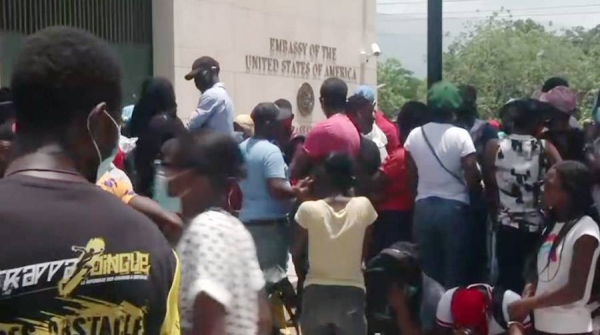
<point x="552" y="153"/>
<point x="300" y="241"/>
<point x="413" y="174"/>
<point x="489" y="178"/>
<point x="574" y="290"/>
<point x="209" y="316"/>
<point x="265" y="322"/>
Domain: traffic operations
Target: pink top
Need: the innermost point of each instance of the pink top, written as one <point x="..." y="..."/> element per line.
<point x="336" y="134"/>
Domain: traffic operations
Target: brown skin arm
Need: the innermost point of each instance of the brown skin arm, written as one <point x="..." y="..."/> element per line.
<point x="472" y="174"/>
<point x="148" y="207"/>
<point x="209" y="316"/>
<point x="300" y="165"/>
<point x="413" y="174"/>
<point x="280" y="189"/>
<point x="573" y="291"/>
<point x="552" y="154"/>
<point x="300" y="240"/>
<point x="489" y="177"/>
<point x="378" y="184"/>
<point x="265" y="323"/>
<point x="367" y="242"/>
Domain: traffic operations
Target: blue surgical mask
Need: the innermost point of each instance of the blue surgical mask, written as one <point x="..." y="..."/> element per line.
<point x="161" y="194"/>
<point x="106" y="163"/>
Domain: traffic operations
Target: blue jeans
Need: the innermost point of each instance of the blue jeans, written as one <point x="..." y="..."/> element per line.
<point x="442" y="231"/>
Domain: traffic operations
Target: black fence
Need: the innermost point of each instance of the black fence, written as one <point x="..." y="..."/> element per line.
<point x="116" y="21"/>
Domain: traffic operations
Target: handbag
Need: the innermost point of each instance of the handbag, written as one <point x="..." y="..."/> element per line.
<point x="475" y="197"/>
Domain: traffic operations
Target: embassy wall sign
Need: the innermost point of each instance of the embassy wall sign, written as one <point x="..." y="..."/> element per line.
<point x="305" y="100"/>
<point x="299" y="60"/>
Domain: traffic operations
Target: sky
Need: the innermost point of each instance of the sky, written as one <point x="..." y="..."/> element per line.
<point x="402" y="25"/>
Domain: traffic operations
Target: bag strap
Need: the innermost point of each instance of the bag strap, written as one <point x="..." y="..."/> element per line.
<point x="497" y="311"/>
<point x="460" y="180"/>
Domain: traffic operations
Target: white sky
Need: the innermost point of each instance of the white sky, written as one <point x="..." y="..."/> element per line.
<point x="402" y="27"/>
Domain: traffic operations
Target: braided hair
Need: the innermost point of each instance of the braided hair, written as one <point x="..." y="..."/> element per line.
<point x="576" y="180"/>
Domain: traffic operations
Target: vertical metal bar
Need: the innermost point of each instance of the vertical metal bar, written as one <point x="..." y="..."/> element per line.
<point x="434" y="41"/>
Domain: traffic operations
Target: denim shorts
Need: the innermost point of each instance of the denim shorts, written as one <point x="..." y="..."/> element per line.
<point x="272" y="250"/>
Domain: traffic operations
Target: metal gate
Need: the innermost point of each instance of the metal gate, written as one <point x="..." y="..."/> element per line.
<point x="125" y="24"/>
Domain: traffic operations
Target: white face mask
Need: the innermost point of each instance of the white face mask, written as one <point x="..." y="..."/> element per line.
<point x="105" y="164"/>
<point x="161" y="194"/>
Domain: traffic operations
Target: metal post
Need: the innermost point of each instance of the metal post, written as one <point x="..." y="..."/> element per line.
<point x="363" y="61"/>
<point x="434" y="41"/>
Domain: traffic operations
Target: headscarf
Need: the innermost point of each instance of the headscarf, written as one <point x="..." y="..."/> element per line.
<point x="444" y="95"/>
<point x="469" y="308"/>
<point x="562" y="98"/>
<point x="245" y="122"/>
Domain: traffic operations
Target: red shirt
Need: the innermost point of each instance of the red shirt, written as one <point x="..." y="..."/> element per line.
<point x="397" y="194"/>
<point x="389" y="129"/>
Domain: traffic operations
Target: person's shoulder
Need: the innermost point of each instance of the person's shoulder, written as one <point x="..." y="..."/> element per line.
<point x="310" y="205"/>
<point x="217" y="220"/>
<point x="510" y="297"/>
<point x="587" y="225"/>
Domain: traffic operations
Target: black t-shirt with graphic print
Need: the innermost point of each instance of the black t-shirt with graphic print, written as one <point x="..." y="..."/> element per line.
<point x="75" y="260"/>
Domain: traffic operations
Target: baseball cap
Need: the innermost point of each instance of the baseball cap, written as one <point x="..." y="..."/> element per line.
<point x="245" y="121"/>
<point x="366" y="92"/>
<point x="562" y="98"/>
<point x="202" y="63"/>
<point x="444" y="94"/>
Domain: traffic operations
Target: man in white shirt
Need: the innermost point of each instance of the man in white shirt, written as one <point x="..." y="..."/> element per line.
<point x="215" y="108"/>
<point x="376" y="134"/>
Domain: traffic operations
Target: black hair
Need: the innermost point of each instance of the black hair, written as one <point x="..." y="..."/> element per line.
<point x="523" y="115"/>
<point x="468" y="107"/>
<point x="369" y="157"/>
<point x="399" y="264"/>
<point x="283" y="104"/>
<point x="7" y="110"/>
<point x="413" y="114"/>
<point x="339" y="169"/>
<point x="334" y="92"/>
<point x="61" y="74"/>
<point x="357" y="102"/>
<point x="212" y="153"/>
<point x="576" y="180"/>
<point x="554" y="82"/>
<point x="264" y="113"/>
<point x="158" y="96"/>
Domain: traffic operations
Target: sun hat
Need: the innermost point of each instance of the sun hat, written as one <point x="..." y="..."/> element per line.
<point x="562" y="98"/>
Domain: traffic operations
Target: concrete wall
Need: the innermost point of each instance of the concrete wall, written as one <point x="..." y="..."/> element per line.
<point x="231" y="30"/>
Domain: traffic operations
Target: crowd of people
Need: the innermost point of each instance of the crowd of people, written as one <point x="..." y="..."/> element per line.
<point x="132" y="221"/>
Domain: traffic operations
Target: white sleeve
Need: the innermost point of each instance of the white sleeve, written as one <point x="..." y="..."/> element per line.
<point x="466" y="142"/>
<point x="509" y="298"/>
<point x="586" y="226"/>
<point x="207" y="261"/>
<point x="443" y="314"/>
<point x="409" y="139"/>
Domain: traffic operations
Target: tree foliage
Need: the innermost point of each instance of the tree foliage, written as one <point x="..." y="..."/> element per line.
<point x="399" y="86"/>
<point x="505" y="58"/>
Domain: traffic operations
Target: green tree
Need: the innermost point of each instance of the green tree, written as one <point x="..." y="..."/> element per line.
<point x="506" y="59"/>
<point x="397" y="85"/>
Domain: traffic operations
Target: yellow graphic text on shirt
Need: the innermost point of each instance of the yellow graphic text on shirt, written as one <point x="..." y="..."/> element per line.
<point x="94" y="293"/>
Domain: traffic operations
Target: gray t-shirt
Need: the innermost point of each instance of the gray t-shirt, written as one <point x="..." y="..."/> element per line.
<point x="432" y="294"/>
